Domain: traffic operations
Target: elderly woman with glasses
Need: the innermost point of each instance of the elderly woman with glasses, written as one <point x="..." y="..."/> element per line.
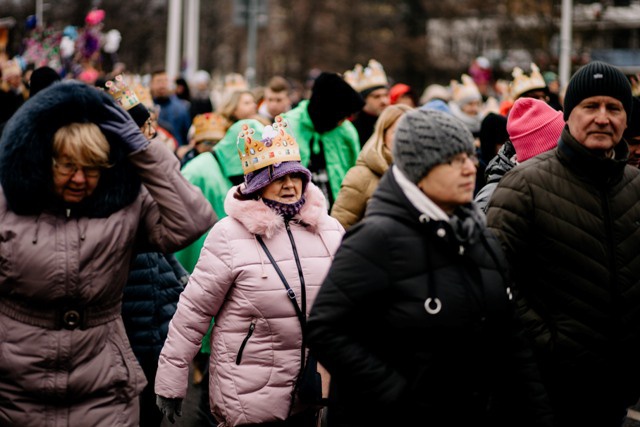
<point x="81" y="187"/>
<point x="415" y="320"/>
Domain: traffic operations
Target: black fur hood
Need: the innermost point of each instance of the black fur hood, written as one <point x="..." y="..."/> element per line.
<point x="26" y="149"/>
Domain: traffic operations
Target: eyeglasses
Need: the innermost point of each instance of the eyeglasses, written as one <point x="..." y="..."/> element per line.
<point x="70" y="169"/>
<point x="459" y="160"/>
<point x="148" y="129"/>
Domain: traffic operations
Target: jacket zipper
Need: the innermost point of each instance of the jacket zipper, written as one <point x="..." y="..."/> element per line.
<point x="611" y="247"/>
<point x="252" y="326"/>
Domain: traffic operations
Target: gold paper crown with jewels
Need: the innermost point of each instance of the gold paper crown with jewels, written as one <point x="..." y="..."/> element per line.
<point x="521" y="83"/>
<point x="120" y="91"/>
<point x="209" y="127"/>
<point x="144" y="95"/>
<point x="276" y="146"/>
<point x="465" y="92"/>
<point x="362" y="79"/>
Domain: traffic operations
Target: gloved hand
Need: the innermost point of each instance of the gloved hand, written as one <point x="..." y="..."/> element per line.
<point x="169" y="407"/>
<point x="118" y="122"/>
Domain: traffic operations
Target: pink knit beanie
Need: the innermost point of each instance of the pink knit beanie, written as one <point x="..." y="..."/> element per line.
<point x="534" y="127"/>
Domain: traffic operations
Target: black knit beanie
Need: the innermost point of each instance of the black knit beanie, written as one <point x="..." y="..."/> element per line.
<point x="598" y="79"/>
<point x="332" y="100"/>
<point x="493" y="132"/>
<point x="42" y="78"/>
<point x="427" y="138"/>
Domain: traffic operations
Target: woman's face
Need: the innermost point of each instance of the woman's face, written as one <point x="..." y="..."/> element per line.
<point x="451" y="184"/>
<point x="72" y="182"/>
<point x="246" y="108"/>
<point x="471" y="108"/>
<point x="287" y="189"/>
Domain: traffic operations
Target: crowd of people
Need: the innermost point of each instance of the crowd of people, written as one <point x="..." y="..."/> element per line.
<point x="463" y="257"/>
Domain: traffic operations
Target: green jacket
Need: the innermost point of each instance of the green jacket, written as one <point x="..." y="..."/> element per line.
<point x="205" y="173"/>
<point x="340" y="145"/>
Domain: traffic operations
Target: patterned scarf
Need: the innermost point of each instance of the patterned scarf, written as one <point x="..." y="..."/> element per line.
<point x="287" y="210"/>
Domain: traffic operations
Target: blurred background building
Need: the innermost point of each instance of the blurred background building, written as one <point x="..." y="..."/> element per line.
<point x="417" y="41"/>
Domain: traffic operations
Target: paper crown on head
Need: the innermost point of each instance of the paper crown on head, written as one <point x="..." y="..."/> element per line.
<point x="11" y="68"/>
<point x="365" y="79"/>
<point x="209" y="126"/>
<point x="276" y="146"/>
<point x="465" y="91"/>
<point x="128" y="99"/>
<point x="120" y="91"/>
<point x="144" y="95"/>
<point x="522" y="83"/>
<point x="234" y="82"/>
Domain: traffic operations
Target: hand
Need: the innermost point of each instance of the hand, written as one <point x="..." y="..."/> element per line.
<point x="170" y="408"/>
<point x="119" y="123"/>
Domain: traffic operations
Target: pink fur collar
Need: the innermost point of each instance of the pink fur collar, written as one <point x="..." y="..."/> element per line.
<point x="258" y="218"/>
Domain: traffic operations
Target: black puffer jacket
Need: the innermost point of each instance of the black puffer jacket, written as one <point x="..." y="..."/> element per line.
<point x="570" y="226"/>
<point x="502" y="163"/>
<point x="391" y="362"/>
<point x="150" y="300"/>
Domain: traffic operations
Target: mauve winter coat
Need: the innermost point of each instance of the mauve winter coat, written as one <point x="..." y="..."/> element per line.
<point x="57" y="258"/>
<point x="256" y="341"/>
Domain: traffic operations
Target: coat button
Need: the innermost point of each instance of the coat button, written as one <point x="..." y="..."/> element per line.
<point x="441" y="232"/>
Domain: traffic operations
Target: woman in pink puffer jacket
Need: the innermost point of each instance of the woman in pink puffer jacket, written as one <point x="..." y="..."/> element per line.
<point x="257" y="345"/>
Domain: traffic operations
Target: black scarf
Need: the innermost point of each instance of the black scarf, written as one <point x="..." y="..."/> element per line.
<point x="286" y="210"/>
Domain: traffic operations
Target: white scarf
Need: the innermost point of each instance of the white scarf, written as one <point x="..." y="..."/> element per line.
<point x="417" y="198"/>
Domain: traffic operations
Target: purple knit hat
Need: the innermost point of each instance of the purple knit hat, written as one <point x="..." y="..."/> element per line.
<point x="257" y="180"/>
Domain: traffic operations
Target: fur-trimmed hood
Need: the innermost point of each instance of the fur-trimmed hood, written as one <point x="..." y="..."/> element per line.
<point x="258" y="218"/>
<point x="26" y="149"/>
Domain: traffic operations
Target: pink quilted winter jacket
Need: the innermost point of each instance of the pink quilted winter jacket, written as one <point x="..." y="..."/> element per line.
<point x="257" y="339"/>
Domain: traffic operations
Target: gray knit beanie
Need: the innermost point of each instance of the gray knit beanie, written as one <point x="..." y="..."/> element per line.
<point x="427" y="138"/>
<point x="598" y="78"/>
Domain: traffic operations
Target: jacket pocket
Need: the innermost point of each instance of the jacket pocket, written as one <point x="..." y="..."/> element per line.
<point x="252" y="327"/>
<point x="6" y="251"/>
<point x="128" y="378"/>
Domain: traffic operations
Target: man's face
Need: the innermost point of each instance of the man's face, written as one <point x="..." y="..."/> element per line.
<point x="634" y="151"/>
<point x="277" y="102"/>
<point x="159" y="86"/>
<point x="598" y="123"/>
<point x="376" y="101"/>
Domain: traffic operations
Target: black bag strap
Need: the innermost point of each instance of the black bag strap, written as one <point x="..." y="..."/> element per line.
<point x="290" y="293"/>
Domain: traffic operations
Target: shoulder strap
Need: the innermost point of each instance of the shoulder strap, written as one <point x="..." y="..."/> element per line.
<point x="290" y="293"/>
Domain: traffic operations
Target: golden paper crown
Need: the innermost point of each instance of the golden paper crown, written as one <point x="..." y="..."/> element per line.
<point x="11" y="68"/>
<point x="209" y="126"/>
<point x="362" y="79"/>
<point x="276" y="146"/>
<point x="234" y="82"/>
<point x="466" y="91"/>
<point x="144" y="95"/>
<point x="521" y="83"/>
<point x="120" y="91"/>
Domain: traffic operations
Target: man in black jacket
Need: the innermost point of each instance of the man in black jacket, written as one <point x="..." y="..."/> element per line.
<point x="568" y="221"/>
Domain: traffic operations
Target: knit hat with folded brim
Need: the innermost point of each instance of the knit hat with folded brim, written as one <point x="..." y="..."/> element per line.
<point x="427" y="138"/>
<point x="598" y="78"/>
<point x="534" y="127"/>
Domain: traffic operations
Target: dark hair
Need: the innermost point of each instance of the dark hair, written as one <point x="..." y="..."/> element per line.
<point x="279" y="84"/>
